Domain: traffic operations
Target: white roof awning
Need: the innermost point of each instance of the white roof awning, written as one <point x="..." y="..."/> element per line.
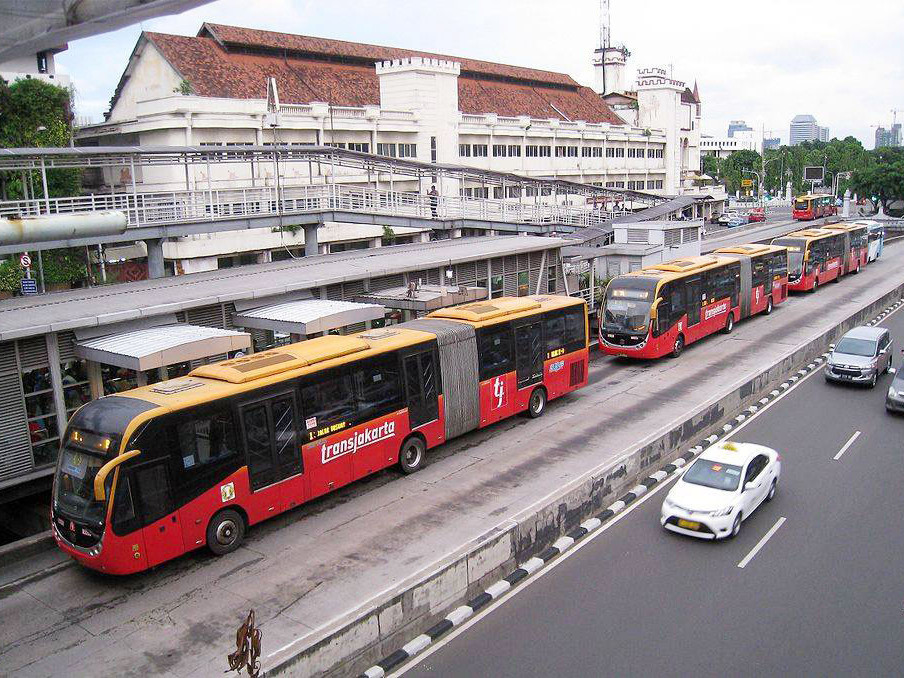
<point x="308" y="316"/>
<point x="152" y="347"/>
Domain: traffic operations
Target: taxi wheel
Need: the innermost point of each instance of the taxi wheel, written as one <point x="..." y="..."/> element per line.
<point x="411" y="456"/>
<point x="736" y="526"/>
<point x="679" y="346"/>
<point x="771" y="491"/>
<point x="537" y="404"/>
<point x="225" y="532"/>
<point x="768" y="305"/>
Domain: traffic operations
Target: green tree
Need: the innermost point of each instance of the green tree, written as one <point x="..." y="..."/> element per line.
<point x="36" y="113"/>
<point x="735" y="166"/>
<point x="883" y="177"/>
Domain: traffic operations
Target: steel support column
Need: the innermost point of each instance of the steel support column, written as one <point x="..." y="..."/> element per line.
<point x="310" y="240"/>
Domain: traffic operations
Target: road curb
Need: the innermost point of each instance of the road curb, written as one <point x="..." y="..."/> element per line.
<point x="23" y="548"/>
<point x="387" y="631"/>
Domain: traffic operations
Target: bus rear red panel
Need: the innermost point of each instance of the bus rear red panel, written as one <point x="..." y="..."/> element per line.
<point x="565" y="373"/>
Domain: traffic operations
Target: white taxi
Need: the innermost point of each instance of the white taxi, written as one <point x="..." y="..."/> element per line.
<point x="721" y="489"/>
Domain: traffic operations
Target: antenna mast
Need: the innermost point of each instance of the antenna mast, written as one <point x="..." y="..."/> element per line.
<point x="605" y="22"/>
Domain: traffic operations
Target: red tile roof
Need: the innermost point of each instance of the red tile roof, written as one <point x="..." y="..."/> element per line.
<point x="231" y="62"/>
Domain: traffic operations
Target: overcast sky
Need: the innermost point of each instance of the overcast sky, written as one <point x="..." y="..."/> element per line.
<point x="762" y="62"/>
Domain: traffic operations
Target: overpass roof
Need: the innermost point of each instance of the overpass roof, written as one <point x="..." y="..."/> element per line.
<point x="30" y="316"/>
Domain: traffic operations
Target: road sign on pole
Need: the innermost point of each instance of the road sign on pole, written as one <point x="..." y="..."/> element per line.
<point x="25" y="260"/>
<point x="746" y="183"/>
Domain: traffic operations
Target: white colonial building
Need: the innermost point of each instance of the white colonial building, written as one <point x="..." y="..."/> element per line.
<point x="212" y="90"/>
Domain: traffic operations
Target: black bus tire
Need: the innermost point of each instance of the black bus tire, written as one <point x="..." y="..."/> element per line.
<point x="815" y="284"/>
<point x="729" y="323"/>
<point x="536" y="406"/>
<point x="411" y="454"/>
<point x="678" y="347"/>
<point x="225" y="532"/>
<point x="769" y="305"/>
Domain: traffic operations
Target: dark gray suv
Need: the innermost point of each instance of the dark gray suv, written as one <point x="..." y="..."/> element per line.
<point x="861" y="355"/>
<point x="894" y="399"/>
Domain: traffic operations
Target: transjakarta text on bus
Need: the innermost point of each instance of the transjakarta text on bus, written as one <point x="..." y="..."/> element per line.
<point x="146" y="475"/>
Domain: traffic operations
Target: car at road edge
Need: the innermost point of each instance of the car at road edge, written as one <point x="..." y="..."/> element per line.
<point x="721" y="489"/>
<point x="860" y="356"/>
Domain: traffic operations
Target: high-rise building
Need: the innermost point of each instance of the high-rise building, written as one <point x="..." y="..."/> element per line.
<point x="772" y="143"/>
<point x="738" y="126"/>
<point x="888" y="137"/>
<point x="804" y="128"/>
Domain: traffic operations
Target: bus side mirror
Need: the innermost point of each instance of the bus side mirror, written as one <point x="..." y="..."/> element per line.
<point x="100" y="491"/>
<point x="654" y="315"/>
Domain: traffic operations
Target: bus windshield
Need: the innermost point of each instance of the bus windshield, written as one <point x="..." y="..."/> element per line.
<point x="80" y="459"/>
<point x="628" y="303"/>
<point x="802" y="205"/>
<point x="796" y="249"/>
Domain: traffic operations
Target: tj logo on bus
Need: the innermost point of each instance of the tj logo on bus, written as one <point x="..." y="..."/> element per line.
<point x="498" y="392"/>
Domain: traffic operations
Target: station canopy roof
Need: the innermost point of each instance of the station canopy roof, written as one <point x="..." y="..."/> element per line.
<point x="152" y="347"/>
<point x="308" y="316"/>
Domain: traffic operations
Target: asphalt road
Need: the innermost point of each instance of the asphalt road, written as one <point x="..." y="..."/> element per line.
<point x="824" y="596"/>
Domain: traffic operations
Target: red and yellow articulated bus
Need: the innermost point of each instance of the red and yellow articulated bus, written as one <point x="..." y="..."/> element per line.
<point x="809" y="207"/>
<point x="815" y="256"/>
<point x="149" y="474"/>
<point x="855" y="247"/>
<point x="660" y="309"/>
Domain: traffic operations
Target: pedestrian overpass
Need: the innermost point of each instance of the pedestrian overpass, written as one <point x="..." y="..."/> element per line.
<point x="340" y="186"/>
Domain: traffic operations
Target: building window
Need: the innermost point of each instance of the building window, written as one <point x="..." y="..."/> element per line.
<point x="551" y="280"/>
<point x="532" y="151"/>
<point x="631" y="152"/>
<point x="572" y="151"/>
<point x="497" y="192"/>
<point x="610" y="184"/>
<point x="331" y="144"/>
<point x="659" y="183"/>
<point x="42" y="62"/>
<point x="523" y="284"/>
<point x="512" y="192"/>
<point x="585" y="151"/>
<point x="651" y="183"/>
<point x="499" y="150"/>
<point x="40" y="410"/>
<point x="514" y="151"/>
<point x="496" y="285"/>
<point x="479" y="150"/>
<point x="619" y="152"/>
<point x="610" y="152"/>
<point x="640" y="152"/>
<point x="464" y="150"/>
<point x="560" y="151"/>
<point x="76" y="389"/>
<point x="545" y="151"/>
<point x="597" y="151"/>
<point x="432" y="149"/>
<point x="361" y="148"/>
<point x="389" y="150"/>
<point x="407" y="150"/>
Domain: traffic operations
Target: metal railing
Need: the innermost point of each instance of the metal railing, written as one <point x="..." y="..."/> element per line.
<point x="205" y="205"/>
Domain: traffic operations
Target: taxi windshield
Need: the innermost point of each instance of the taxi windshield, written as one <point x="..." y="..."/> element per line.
<point x="714" y="474"/>
<point x="80" y="459"/>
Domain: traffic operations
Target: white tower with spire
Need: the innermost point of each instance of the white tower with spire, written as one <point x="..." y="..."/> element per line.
<point x="609" y="61"/>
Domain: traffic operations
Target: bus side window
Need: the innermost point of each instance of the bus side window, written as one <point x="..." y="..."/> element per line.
<point x="154" y="497"/>
<point x="495" y="349"/>
<point x="124" y="518"/>
<point x="206" y="439"/>
<point x="554" y="331"/>
<point x="575" y="329"/>
<point x="378" y="386"/>
<point x="328" y="397"/>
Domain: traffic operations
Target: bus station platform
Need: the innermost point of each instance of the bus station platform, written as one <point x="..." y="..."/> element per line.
<point x="335" y="584"/>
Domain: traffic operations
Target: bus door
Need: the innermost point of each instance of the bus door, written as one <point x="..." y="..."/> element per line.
<point x="271" y="441"/>
<point x="421" y="392"/>
<point x="694" y="289"/>
<point x="846" y="264"/>
<point x="152" y="490"/>
<point x="529" y="354"/>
